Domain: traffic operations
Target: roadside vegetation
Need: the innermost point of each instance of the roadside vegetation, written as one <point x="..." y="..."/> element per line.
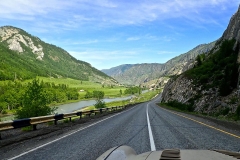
<point x="136" y="98"/>
<point x="218" y="70"/>
<point x="57" y="91"/>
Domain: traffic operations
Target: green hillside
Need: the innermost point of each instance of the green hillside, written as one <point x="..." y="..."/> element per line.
<point x="24" y="56"/>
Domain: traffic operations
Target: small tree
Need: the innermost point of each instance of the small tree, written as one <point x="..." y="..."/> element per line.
<point x="100" y="104"/>
<point x="88" y="95"/>
<point x="199" y="60"/>
<point x="98" y="94"/>
<point x="120" y="92"/>
<point x="140" y="91"/>
<point x="34" y="102"/>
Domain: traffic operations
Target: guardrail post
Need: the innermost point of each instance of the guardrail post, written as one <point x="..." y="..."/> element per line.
<point x="79" y="114"/>
<point x="34" y="127"/>
<point x="0" y="136"/>
<point x="101" y="110"/>
<point x="92" y="111"/>
<point x="58" y="117"/>
<point x="70" y="119"/>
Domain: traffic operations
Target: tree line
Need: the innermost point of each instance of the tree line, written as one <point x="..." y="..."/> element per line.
<point x="13" y="94"/>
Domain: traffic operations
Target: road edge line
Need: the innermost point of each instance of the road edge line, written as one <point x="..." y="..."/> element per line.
<point x="203" y="124"/>
<point x="152" y="143"/>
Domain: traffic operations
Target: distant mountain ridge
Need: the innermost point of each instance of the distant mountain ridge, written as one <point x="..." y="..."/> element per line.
<point x="24" y="56"/>
<point x="136" y="74"/>
<point x="117" y="70"/>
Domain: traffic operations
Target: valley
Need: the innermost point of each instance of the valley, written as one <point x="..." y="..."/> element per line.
<point x="173" y="79"/>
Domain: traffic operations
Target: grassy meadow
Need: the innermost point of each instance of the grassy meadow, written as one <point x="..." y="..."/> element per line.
<point x="144" y="97"/>
<point x="110" y="91"/>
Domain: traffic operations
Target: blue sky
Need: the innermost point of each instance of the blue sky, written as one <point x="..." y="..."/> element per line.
<point x="108" y="33"/>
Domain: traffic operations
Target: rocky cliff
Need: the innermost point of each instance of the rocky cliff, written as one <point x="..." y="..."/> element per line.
<point x="13" y="38"/>
<point x="212" y="85"/>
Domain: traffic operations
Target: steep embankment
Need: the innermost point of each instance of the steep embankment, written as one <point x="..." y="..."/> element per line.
<point x="24" y="56"/>
<point x="211" y="86"/>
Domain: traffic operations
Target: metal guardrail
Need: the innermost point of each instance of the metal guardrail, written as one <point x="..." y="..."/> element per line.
<point x="33" y="121"/>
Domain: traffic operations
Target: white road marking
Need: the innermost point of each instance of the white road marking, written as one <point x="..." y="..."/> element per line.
<point x="152" y="144"/>
<point x="24" y="153"/>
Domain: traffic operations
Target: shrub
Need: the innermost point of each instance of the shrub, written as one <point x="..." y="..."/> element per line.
<point x="181" y="106"/>
<point x="233" y="100"/>
<point x="238" y="112"/>
<point x="100" y="104"/>
<point x="225" y="111"/>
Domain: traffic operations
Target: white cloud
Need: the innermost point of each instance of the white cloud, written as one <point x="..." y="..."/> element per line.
<point x="71" y="14"/>
<point x="133" y="38"/>
<point x="103" y="55"/>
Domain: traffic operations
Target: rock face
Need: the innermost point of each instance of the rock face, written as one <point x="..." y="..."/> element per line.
<point x="205" y="101"/>
<point x="14" y="40"/>
<point x="182" y="89"/>
<point x="233" y="29"/>
<point x="156" y="83"/>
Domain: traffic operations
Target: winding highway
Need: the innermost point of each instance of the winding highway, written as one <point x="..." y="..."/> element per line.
<point x="144" y="127"/>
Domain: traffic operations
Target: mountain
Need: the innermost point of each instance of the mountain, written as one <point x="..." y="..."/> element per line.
<point x="117" y="70"/>
<point x="135" y="74"/>
<point x="212" y="85"/>
<point x="24" y="56"/>
<point x="144" y="73"/>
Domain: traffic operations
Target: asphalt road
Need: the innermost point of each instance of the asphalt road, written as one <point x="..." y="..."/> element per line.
<point x="131" y="128"/>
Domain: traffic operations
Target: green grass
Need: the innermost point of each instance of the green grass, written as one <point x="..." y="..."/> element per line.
<point x="80" y="85"/>
<point x="139" y="98"/>
<point x="146" y="96"/>
<point x="86" y="86"/>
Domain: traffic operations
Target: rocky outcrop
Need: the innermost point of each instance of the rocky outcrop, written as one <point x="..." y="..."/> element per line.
<point x="156" y="84"/>
<point x="14" y="39"/>
<point x="204" y="101"/>
<point x="182" y="89"/>
<point x="233" y="29"/>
